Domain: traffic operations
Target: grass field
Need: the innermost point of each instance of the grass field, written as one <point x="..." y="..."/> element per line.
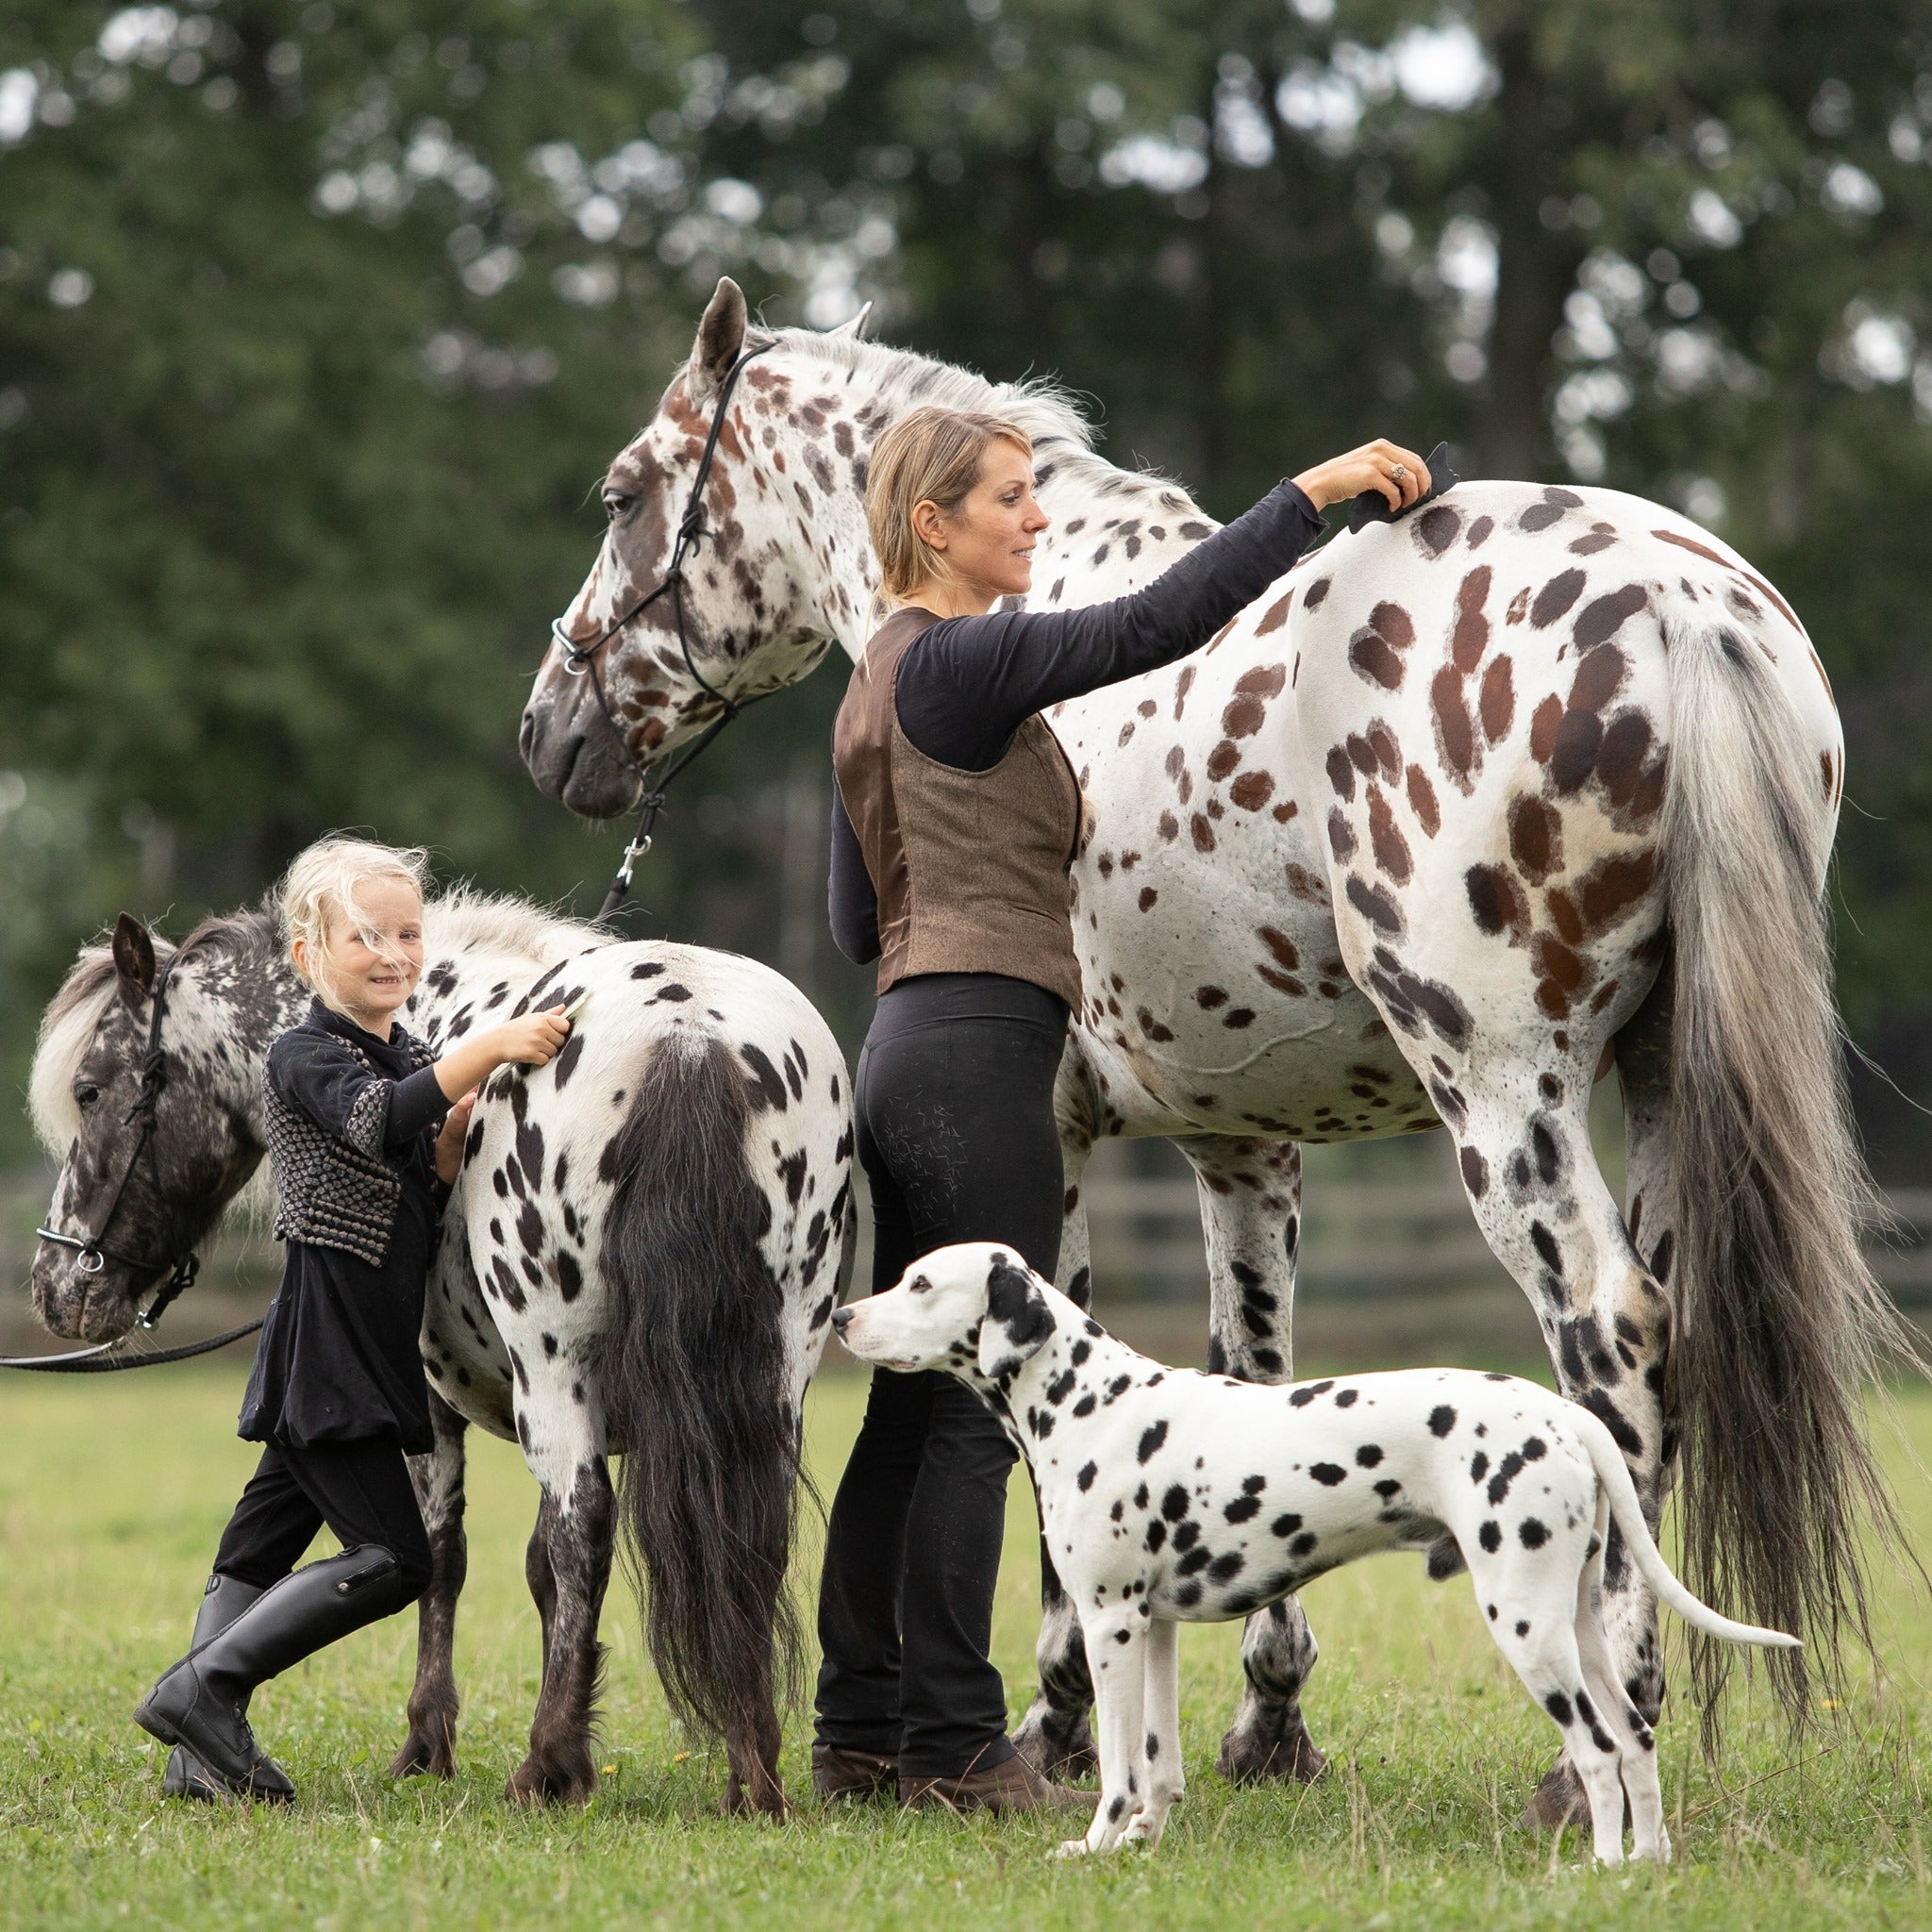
<point x="111" y="1495"/>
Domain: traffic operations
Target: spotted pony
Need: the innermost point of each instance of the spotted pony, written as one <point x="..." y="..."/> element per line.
<point x="1466" y="811"/>
<point x="642" y="1257"/>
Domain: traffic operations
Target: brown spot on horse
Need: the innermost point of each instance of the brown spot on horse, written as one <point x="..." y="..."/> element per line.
<point x="1471" y="636"/>
<point x="1497" y="704"/>
<point x="1455" y="730"/>
<point x="1275" y="616"/>
<point x="1555" y="599"/>
<point x="1222" y="759"/>
<point x="1422" y="801"/>
<point x="1536" y="838"/>
<point x="1385" y="836"/>
<point x="1252" y="790"/>
<point x="1497" y="903"/>
<point x="1602" y="617"/>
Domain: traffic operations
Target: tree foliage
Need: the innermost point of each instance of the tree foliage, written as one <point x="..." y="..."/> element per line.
<point x="317" y="323"/>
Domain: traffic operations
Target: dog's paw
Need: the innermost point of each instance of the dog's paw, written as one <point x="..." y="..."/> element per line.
<point x="1069" y="1848"/>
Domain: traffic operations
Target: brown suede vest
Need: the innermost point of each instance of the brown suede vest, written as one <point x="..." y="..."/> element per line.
<point x="969" y="867"/>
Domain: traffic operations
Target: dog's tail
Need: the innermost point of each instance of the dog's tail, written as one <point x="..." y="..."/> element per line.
<point x="1627" y="1513"/>
<point x="696" y="1385"/>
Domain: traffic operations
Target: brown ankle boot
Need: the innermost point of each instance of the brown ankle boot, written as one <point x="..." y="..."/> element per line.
<point x="1009" y="1786"/>
<point x="839" y="1773"/>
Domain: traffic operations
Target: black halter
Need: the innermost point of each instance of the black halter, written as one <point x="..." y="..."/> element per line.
<point x="94" y="1249"/>
<point x="580" y="655"/>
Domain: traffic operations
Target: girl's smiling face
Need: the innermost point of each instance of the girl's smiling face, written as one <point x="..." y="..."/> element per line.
<point x="374" y="961"/>
<point x="987" y="543"/>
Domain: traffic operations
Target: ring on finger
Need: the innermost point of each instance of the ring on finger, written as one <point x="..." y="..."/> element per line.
<point x="1400" y="473"/>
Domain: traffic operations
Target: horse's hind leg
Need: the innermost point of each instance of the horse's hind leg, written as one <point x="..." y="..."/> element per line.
<point x="433" y="1701"/>
<point x="1251" y="1195"/>
<point x="575" y="1526"/>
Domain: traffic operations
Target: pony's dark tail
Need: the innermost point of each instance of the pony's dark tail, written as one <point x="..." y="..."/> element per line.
<point x="1781" y="1328"/>
<point x="696" y="1393"/>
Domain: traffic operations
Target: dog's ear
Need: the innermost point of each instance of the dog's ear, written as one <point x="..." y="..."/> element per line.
<point x="1017" y="1317"/>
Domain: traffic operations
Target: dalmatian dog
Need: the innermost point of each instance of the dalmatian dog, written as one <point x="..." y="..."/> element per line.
<point x="1170" y="1496"/>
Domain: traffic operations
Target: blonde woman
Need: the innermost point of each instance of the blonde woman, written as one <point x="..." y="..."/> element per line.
<point x="365" y="1131"/>
<point x="954" y="823"/>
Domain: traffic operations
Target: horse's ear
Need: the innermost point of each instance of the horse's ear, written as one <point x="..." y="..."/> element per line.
<point x="133" y="960"/>
<point x="854" y="325"/>
<point x="721" y="336"/>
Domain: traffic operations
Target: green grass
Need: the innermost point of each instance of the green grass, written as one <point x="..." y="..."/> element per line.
<point x="112" y="1494"/>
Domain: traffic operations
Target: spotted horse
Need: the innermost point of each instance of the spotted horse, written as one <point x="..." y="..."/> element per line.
<point x="641" y="1257"/>
<point x="1467" y="811"/>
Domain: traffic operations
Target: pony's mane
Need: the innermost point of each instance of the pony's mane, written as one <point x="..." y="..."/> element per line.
<point x="464" y="920"/>
<point x="902" y="379"/>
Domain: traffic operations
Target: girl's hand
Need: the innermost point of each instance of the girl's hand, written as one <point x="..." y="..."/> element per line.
<point x="533" y="1040"/>
<point x="449" y="1142"/>
<point x="1372" y="467"/>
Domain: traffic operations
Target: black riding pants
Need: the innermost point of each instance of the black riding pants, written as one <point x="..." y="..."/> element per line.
<point x="955" y="1133"/>
<point x="361" y="1490"/>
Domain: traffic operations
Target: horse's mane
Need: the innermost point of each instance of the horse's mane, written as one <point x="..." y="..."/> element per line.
<point x="1047" y="412"/>
<point x="456" y="921"/>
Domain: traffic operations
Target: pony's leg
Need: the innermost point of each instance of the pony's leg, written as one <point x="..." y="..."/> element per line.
<point x="1056" y="1737"/>
<point x="433" y="1701"/>
<point x="576" y="1523"/>
<point x="1251" y="1197"/>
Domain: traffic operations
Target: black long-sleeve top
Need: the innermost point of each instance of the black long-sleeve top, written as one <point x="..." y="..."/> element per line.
<point x="967" y="683"/>
<point x="340" y="1358"/>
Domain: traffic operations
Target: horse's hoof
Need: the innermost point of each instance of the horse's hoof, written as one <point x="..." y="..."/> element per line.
<point x="1285" y="1751"/>
<point x="1059" y="1754"/>
<point x="424" y="1754"/>
<point x="533" y="1784"/>
<point x="1559" y="1801"/>
<point x="769" y="1803"/>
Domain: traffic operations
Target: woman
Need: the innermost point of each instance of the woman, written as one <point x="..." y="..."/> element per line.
<point x="955" y="822"/>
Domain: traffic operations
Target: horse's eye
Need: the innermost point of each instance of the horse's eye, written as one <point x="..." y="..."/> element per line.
<point x="86" y="1096"/>
<point x="616" y="503"/>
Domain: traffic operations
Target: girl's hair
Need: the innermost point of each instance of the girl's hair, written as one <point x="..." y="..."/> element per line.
<point x="319" y="892"/>
<point x="929" y="455"/>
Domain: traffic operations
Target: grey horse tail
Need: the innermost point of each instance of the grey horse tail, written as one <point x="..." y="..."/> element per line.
<point x="1779" y="1328"/>
<point x="697" y="1393"/>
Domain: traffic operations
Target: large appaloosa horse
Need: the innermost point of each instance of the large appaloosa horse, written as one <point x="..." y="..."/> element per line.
<point x="1467" y="809"/>
<point x="642" y="1257"/>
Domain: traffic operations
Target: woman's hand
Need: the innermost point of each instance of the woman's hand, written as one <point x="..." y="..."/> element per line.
<point x="1399" y="474"/>
<point x="449" y="1142"/>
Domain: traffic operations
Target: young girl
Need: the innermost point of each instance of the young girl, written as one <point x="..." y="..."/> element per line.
<point x="365" y="1133"/>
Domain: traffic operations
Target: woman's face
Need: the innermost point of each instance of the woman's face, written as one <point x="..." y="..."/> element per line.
<point x="988" y="540"/>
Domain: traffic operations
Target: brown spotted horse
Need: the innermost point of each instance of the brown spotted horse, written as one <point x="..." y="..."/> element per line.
<point x="1467" y="809"/>
<point x="642" y="1257"/>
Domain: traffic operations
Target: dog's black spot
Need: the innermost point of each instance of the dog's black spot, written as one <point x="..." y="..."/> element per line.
<point x="1086" y="1404"/>
<point x="1150" y="1440"/>
<point x="1284" y="1525"/>
<point x="1441" y="1420"/>
<point x="1558" y="1707"/>
<point x="1369" y="1455"/>
<point x="1242" y="1508"/>
<point x="1157" y="1535"/>
<point x="1088" y="1472"/>
<point x="1186" y="1595"/>
<point x="1173" y="1505"/>
<point x="1388" y="1486"/>
<point x="1303" y="1543"/>
<point x="1186" y="1535"/>
<point x="1301" y="1397"/>
<point x="1328" y="1473"/>
<point x="1533" y="1534"/>
<point x="1226" y="1567"/>
<point x="1348" y="1398"/>
<point x="1478" y="1467"/>
<point x="1489" y="1537"/>
<point x="1194" y="1560"/>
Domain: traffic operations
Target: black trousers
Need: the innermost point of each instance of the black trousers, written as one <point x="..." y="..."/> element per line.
<point x="955" y="1133"/>
<point x="362" y="1490"/>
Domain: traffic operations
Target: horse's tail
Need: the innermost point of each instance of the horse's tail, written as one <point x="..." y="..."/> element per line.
<point x="1779" y="1324"/>
<point x="696" y="1391"/>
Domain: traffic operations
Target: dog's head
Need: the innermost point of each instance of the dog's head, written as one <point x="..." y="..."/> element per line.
<point x="975" y="1310"/>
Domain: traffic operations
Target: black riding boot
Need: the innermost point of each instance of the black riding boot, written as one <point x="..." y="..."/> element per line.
<point x="223" y="1600"/>
<point x="201" y="1702"/>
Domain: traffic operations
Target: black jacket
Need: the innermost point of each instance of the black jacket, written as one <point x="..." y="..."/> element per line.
<point x="352" y="1125"/>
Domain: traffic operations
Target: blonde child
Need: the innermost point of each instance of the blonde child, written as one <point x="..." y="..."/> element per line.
<point x="365" y="1132"/>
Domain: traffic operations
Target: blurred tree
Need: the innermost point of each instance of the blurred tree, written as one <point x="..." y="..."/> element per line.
<point x="317" y="322"/>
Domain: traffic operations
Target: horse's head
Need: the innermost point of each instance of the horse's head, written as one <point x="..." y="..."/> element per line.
<point x="772" y="577"/>
<point x="152" y="1154"/>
